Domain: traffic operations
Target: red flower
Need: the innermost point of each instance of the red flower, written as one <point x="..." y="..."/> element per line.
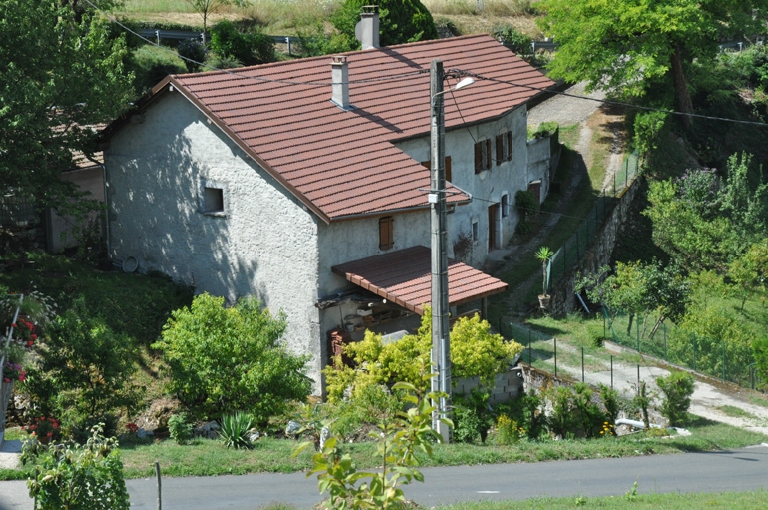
<point x="33" y="336"/>
<point x="5" y="379"/>
<point x="22" y="376"/>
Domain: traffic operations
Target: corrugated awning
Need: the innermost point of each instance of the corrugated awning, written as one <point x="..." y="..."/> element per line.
<point x="405" y="277"/>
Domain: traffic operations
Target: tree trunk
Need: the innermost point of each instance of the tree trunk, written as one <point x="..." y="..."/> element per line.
<point x="656" y="326"/>
<point x="629" y="324"/>
<point x="683" y="102"/>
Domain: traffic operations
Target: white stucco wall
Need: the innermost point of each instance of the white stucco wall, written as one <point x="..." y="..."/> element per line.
<point x="488" y="187"/>
<point x="351" y="240"/>
<point x="264" y="244"/>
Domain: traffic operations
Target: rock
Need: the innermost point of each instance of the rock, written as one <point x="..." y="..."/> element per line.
<point x="292" y="428"/>
<point x="325" y="433"/>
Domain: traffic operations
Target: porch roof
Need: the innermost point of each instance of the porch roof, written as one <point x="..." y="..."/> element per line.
<point x="404" y="277"/>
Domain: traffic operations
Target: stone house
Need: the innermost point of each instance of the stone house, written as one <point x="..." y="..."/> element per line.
<point x="303" y="183"/>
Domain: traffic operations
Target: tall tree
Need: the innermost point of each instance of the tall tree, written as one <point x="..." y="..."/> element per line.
<point x="61" y="75"/>
<point x="627" y="46"/>
<point x="207" y="7"/>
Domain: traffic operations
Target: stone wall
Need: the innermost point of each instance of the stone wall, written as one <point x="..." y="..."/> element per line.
<point x="599" y="254"/>
<point x="508" y="385"/>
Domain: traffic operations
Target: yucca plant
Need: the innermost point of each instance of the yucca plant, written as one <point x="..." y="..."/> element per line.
<point x="235" y="430"/>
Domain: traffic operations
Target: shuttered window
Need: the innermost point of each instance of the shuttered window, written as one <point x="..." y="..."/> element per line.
<point x="503" y="147"/>
<point x="483" y="155"/>
<point x="448" y="173"/>
<point x="386" y="233"/>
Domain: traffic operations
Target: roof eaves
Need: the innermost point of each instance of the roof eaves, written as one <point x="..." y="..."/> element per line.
<point x="374" y="214"/>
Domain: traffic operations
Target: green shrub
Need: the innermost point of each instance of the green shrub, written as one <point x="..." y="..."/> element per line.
<point x="368" y="406"/>
<point x="194" y="54"/>
<point x="83" y="371"/>
<point x="526" y="206"/>
<point x="472" y="417"/>
<point x="314" y="42"/>
<point x="248" y="44"/>
<point x="235" y="430"/>
<point x="231" y="358"/>
<point x="676" y="390"/>
<point x="611" y="403"/>
<point x="561" y="422"/>
<point x="510" y="37"/>
<point x="475" y="352"/>
<point x="75" y="477"/>
<point x="180" y="428"/>
<point x="151" y="64"/>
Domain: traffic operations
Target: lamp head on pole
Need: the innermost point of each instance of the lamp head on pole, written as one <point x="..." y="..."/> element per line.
<point x="466" y="82"/>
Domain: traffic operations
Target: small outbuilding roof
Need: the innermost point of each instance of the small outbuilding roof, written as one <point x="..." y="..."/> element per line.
<point x="404" y="277"/>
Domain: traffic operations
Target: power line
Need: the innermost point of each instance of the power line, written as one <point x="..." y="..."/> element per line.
<point x="237" y="74"/>
<point x="615" y="103"/>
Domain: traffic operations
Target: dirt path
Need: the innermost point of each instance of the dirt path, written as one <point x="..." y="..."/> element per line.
<point x="566" y="110"/>
<point x="709" y="396"/>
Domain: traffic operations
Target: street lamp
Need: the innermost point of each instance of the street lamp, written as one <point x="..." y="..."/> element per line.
<point x="441" y="346"/>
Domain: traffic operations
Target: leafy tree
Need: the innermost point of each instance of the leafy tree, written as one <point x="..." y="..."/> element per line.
<point x="83" y="370"/>
<point x="631" y="46"/>
<point x="704" y="222"/>
<point x="750" y="271"/>
<point x="61" y="75"/>
<point x="228" y="359"/>
<point x="401" y="21"/>
<point x="207" y="7"/>
<point x="399" y="440"/>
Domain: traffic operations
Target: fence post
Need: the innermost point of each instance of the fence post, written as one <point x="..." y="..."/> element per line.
<point x="582" y="364"/>
<point x="694" y="352"/>
<point x="530" y="358"/>
<point x="159" y="487"/>
<point x="555" y="339"/>
<point x="637" y="332"/>
<point x="723" y="342"/>
<point x="665" y="341"/>
<point x="611" y="371"/>
<point x="752" y="375"/>
<point x="638" y="376"/>
<point x="604" y="324"/>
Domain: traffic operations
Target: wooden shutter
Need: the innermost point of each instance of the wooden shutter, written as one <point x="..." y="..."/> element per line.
<point x="509" y="145"/>
<point x="478" y="157"/>
<point x="386" y="233"/>
<point x="489" y="161"/>
<point x="448" y="174"/>
<point x="499" y="149"/>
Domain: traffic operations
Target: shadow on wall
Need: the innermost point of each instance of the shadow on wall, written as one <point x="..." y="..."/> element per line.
<point x="163" y="219"/>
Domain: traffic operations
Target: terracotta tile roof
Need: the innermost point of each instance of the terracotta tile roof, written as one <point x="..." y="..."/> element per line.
<point x="405" y="277"/>
<point x="343" y="163"/>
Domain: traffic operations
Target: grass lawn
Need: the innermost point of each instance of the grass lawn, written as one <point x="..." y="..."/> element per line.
<point x="719" y="500"/>
<point x="211" y="457"/>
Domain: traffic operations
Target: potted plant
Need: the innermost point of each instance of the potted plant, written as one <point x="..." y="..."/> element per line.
<point x="544" y="255"/>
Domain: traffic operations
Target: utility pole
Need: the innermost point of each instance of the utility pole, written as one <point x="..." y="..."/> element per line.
<point x="441" y="347"/>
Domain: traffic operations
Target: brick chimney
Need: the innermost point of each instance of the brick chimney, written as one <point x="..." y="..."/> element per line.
<point x="367" y="29"/>
<point x="340" y="83"/>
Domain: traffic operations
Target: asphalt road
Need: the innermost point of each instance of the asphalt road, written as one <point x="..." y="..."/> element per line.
<point x="738" y="470"/>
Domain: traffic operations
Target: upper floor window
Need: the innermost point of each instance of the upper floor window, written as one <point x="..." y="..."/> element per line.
<point x="386" y="233"/>
<point x="483" y="157"/>
<point x="448" y="173"/>
<point x="503" y="147"/>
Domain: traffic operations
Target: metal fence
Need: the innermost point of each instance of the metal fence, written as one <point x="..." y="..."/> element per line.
<point x="590" y="364"/>
<point x="582" y="239"/>
<point x="17" y="211"/>
<point x="728" y="361"/>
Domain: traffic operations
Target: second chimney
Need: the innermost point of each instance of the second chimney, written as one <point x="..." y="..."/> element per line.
<point x="340" y="83"/>
<point x="367" y="29"/>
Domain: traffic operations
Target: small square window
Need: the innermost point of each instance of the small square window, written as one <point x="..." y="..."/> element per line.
<point x="213" y="201"/>
<point x="475" y="231"/>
